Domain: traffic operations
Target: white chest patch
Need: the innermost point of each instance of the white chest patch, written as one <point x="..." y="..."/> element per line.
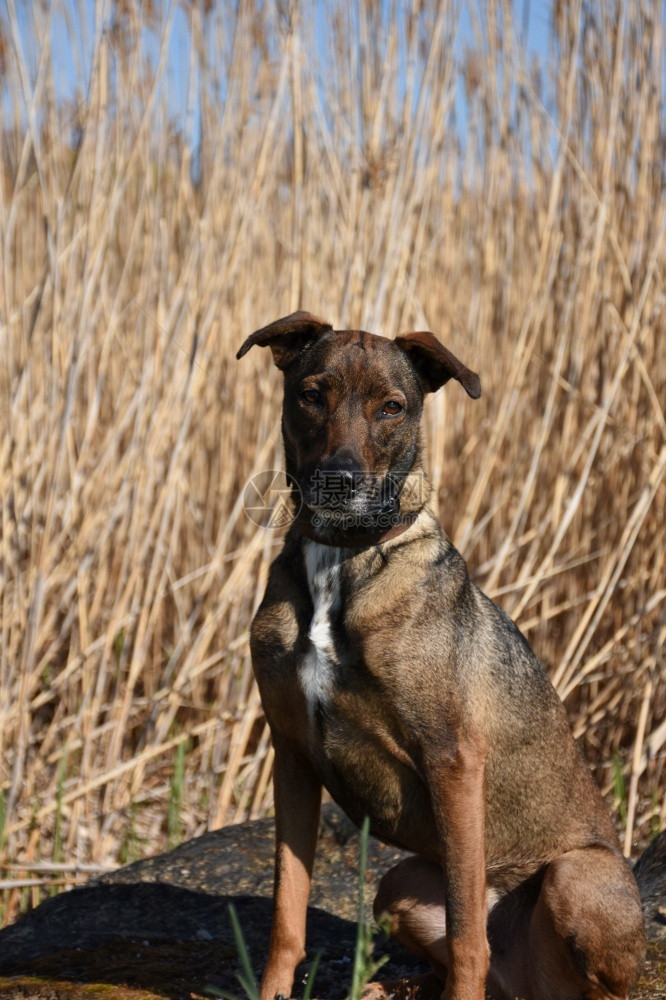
<point x="317" y="668"/>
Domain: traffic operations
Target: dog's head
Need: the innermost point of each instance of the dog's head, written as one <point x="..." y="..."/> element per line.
<point x="351" y="415"/>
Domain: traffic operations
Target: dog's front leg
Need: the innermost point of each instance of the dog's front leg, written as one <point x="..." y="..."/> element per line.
<point x="458" y="795"/>
<point x="297" y="802"/>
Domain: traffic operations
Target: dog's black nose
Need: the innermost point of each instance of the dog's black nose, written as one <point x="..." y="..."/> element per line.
<point x="340" y="476"/>
<point x="343" y="460"/>
<point x="343" y="467"/>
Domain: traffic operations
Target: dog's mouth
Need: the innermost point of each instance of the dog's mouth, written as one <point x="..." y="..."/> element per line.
<point x="353" y="501"/>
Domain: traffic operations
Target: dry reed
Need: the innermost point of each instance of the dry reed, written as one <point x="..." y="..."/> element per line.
<point x="334" y="173"/>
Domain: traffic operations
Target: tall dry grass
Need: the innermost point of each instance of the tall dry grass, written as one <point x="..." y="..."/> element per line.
<point x="335" y="173"/>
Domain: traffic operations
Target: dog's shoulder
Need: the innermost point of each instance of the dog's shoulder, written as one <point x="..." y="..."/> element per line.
<point x="489" y="649"/>
<point x="285" y="608"/>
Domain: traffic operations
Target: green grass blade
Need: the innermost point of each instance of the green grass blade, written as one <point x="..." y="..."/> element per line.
<point x="312" y="972"/>
<point x="246" y="978"/>
<point x="176" y="797"/>
<point x="361" y="951"/>
<point x="620" y="789"/>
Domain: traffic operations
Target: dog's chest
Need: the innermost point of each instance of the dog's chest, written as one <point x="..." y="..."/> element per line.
<point x="319" y="667"/>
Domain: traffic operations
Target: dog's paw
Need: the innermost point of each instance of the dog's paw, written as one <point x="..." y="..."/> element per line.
<point x="376" y="991"/>
<point x="425" y="987"/>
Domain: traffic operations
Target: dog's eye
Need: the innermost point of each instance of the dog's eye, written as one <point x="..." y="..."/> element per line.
<point x="311" y="396"/>
<point x="392" y="408"/>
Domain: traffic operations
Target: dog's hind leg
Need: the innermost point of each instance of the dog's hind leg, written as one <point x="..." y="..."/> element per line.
<point x="573" y="932"/>
<point x="410" y="905"/>
<point x="586" y="937"/>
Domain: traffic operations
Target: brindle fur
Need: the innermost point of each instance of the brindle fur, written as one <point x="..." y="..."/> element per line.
<point x="434" y="717"/>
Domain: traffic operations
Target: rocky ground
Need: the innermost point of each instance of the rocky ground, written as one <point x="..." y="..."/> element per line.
<point x="160" y="928"/>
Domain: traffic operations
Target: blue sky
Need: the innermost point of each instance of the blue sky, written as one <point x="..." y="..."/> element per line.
<point x="73" y="29"/>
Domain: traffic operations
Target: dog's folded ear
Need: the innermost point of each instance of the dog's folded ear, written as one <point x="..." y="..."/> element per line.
<point x="435" y="365"/>
<point x="287" y="336"/>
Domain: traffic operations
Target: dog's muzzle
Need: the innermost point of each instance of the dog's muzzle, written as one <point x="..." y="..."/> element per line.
<point x="351" y="498"/>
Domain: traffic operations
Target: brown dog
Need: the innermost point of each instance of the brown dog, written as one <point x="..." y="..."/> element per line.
<point x="387" y="676"/>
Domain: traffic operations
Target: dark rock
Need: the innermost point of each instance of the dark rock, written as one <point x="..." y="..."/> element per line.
<point x="650" y="872"/>
<point x="162" y="924"/>
<point x="160" y="928"/>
